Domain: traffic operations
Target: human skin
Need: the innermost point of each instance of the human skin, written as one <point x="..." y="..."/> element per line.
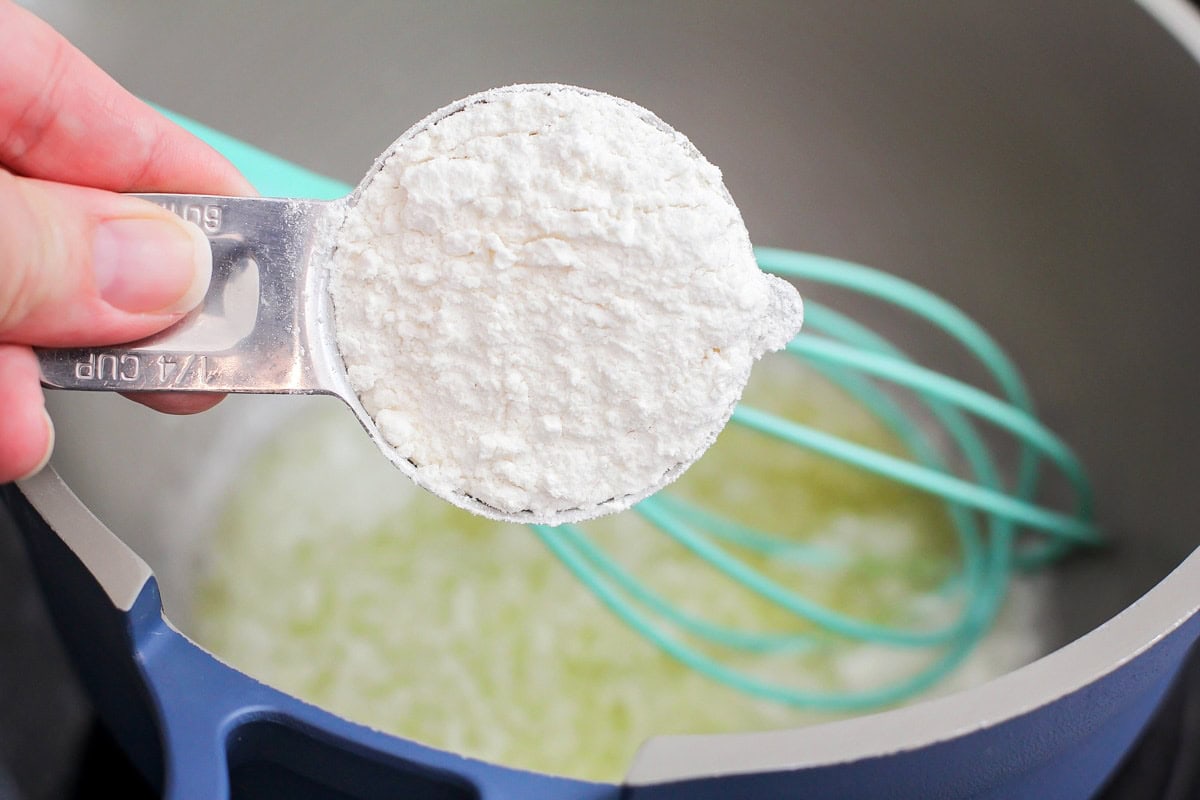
<point x="80" y="264"/>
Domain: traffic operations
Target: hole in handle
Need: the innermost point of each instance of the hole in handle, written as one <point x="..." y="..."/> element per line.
<point x="272" y="759"/>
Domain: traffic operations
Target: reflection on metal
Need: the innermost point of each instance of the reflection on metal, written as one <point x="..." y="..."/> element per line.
<point x="227" y="316"/>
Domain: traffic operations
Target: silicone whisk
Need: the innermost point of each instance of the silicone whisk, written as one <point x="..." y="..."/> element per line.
<point x="1000" y="527"/>
<point x="988" y="515"/>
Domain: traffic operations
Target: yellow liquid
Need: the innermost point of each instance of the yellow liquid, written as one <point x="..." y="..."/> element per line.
<point x="333" y="578"/>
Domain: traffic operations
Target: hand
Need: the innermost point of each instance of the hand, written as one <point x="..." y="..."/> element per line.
<point x="80" y="265"/>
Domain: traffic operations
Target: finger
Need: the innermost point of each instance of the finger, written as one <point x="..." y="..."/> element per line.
<point x="86" y="267"/>
<point x="63" y="119"/>
<point x="177" y="402"/>
<point x="26" y="434"/>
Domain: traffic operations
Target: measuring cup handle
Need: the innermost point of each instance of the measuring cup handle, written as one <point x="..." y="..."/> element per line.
<point x="251" y="331"/>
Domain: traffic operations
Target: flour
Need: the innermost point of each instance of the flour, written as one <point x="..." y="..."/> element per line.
<point x="547" y="302"/>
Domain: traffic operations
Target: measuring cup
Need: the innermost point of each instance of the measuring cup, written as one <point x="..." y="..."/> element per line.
<point x="267" y="322"/>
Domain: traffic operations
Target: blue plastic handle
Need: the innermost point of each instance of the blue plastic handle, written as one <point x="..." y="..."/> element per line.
<point x="200" y="729"/>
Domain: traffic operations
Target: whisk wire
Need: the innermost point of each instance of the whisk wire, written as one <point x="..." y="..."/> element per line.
<point x="933" y="384"/>
<point x="922" y="303"/>
<point x="911" y="435"/>
<point x="570" y="536"/>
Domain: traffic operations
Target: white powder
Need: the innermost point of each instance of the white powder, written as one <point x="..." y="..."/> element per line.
<point x="547" y="302"/>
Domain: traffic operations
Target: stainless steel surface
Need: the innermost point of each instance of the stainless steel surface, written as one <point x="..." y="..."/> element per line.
<point x="263" y="327"/>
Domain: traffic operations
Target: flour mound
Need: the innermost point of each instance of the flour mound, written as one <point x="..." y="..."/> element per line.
<point x="547" y="303"/>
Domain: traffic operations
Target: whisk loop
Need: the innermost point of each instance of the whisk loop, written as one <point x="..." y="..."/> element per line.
<point x="986" y="515"/>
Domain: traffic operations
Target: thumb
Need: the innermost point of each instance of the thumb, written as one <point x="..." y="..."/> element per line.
<point x="82" y="267"/>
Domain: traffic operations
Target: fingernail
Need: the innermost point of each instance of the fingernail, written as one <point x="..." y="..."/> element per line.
<point x="49" y="448"/>
<point x="145" y="265"/>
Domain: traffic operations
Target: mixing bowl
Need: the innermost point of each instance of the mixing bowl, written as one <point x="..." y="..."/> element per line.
<point x="1035" y="162"/>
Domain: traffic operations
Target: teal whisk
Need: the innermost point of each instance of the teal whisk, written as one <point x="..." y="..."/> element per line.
<point x="1000" y="529"/>
<point x="989" y="517"/>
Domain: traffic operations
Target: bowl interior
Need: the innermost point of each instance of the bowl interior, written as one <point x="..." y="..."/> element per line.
<point x="1035" y="164"/>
